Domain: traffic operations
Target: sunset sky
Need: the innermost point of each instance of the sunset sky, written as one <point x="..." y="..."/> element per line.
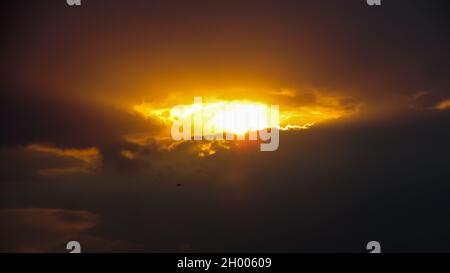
<point x="86" y="152"/>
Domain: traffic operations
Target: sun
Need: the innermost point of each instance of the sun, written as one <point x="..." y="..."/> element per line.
<point x="239" y="118"/>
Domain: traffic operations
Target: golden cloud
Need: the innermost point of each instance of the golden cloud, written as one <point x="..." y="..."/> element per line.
<point x="443" y="105"/>
<point x="87" y="161"/>
<point x="298" y="111"/>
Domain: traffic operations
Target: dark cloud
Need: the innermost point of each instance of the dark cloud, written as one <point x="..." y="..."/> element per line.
<point x="49" y="230"/>
<point x="330" y="188"/>
<point x="29" y="117"/>
<point x="431" y="99"/>
<point x="129" y="50"/>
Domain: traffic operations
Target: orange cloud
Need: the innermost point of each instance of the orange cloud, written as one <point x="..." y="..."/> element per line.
<point x="298" y="111"/>
<point x="443" y="105"/>
<point x="88" y="160"/>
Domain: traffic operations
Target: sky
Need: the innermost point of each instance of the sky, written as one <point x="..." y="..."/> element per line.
<point x="86" y="152"/>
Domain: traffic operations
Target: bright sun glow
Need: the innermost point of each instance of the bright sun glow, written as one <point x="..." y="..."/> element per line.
<point x="230" y="117"/>
<point x="236" y="117"/>
<point x="239" y="117"/>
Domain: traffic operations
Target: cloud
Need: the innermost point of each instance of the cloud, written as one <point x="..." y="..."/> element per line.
<point x="298" y="110"/>
<point x="286" y="92"/>
<point x="443" y="105"/>
<point x="436" y="98"/>
<point x="50" y="229"/>
<point x="386" y="180"/>
<point x="42" y="229"/>
<point x="30" y="116"/>
<point x="87" y="160"/>
<point x="360" y="179"/>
